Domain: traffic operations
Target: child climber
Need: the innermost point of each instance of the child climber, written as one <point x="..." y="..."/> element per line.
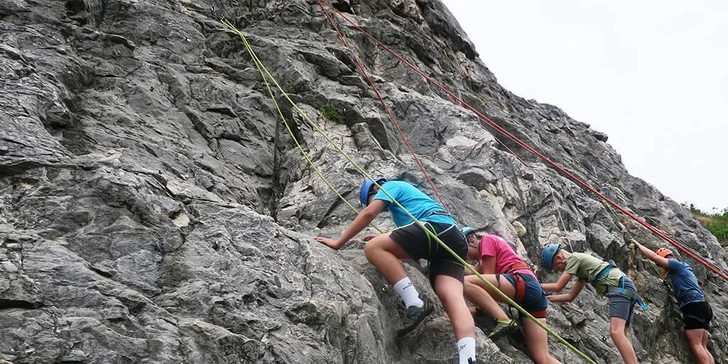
<point x="696" y="311"/>
<point x="410" y="241"/>
<point x="607" y="280"/>
<point x="503" y="268"/>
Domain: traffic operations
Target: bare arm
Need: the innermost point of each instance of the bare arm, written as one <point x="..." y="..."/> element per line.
<point x="477" y="267"/>
<point x="568" y="296"/>
<point x="558" y="285"/>
<point x="488" y="265"/>
<point x="469" y="272"/>
<point x="660" y="261"/>
<point x="485" y="266"/>
<point x="361" y="221"/>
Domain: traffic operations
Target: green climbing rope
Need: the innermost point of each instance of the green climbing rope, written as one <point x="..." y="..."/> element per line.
<point x="265" y="73"/>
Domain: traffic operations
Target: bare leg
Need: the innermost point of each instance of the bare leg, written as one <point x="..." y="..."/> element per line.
<point x="450" y="292"/>
<point x="617" y="331"/>
<point x="537" y="341"/>
<point x="695" y="338"/>
<point x="384" y="253"/>
<point x="484" y="297"/>
<point x="706" y="334"/>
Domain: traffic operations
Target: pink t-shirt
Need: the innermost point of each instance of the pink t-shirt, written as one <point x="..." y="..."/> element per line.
<point x="505" y="257"/>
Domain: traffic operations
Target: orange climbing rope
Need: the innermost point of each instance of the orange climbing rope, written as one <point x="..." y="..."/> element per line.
<point x="500" y="129"/>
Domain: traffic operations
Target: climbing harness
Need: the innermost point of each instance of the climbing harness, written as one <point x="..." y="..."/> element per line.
<point x="520" y="282"/>
<point x="633" y="296"/>
<point x="511" y="270"/>
<point x="604" y="272"/>
<point x="517" y="266"/>
<point x="432" y="232"/>
<point x="520" y="287"/>
<point x="437" y="212"/>
<point x="691" y="298"/>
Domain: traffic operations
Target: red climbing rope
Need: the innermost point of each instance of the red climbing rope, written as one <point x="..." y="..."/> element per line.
<point x="500" y="129"/>
<point x="389" y="112"/>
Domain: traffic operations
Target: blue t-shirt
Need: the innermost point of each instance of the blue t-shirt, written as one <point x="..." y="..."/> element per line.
<point x="684" y="282"/>
<point x="415" y="201"/>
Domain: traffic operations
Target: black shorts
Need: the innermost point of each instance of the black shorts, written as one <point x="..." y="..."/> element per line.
<point x="697" y="315"/>
<point x="419" y="245"/>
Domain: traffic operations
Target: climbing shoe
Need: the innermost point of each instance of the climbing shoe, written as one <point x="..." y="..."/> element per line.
<point x="472" y="361"/>
<point x="413" y="317"/>
<point x="503" y="327"/>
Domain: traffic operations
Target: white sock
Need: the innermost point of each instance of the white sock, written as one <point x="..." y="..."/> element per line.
<point x="408" y="292"/>
<point x="466" y="349"/>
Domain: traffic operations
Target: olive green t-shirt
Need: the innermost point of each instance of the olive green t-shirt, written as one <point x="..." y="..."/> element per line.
<point x="586" y="267"/>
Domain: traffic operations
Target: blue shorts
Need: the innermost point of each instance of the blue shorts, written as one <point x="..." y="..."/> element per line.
<point x="534" y="301"/>
<point x="620" y="303"/>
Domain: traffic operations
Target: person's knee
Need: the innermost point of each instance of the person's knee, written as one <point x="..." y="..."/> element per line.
<point x="445" y="297"/>
<point x="371" y="249"/>
<point x="368" y="249"/>
<point x="538" y="354"/>
<point x="697" y="348"/>
<point x="616" y="332"/>
<point x="541" y="357"/>
<point x="700" y="352"/>
<point x="448" y="293"/>
<point x="468" y="290"/>
<point x="537" y="342"/>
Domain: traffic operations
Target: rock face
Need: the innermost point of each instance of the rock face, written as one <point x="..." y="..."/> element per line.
<point x="153" y="208"/>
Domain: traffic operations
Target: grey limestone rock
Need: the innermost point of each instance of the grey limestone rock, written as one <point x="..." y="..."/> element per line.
<point x="155" y="209"/>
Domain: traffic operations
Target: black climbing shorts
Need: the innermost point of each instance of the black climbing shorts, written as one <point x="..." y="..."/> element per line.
<point x="419" y="245"/>
<point x="697" y="315"/>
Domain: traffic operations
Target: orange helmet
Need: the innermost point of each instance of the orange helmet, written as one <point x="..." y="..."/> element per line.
<point x="663" y="252"/>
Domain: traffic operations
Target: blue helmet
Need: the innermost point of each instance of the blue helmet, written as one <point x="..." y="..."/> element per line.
<point x="547" y="255"/>
<point x="467" y="230"/>
<point x="366" y="187"/>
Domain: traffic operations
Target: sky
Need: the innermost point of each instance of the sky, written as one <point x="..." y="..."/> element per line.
<point x="652" y="75"/>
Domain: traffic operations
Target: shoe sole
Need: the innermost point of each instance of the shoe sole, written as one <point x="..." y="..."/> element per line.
<point x="503" y="331"/>
<point x="407" y="330"/>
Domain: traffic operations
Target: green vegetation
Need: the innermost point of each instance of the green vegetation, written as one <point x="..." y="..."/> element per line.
<point x="715" y="222"/>
<point x="329" y="112"/>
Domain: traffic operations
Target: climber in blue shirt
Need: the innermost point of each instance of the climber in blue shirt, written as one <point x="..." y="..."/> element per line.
<point x="410" y="241"/>
<point x="696" y="311"/>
